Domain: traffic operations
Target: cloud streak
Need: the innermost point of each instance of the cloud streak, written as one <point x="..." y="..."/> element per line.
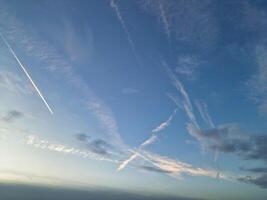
<point x="149" y="141"/>
<point x="204" y="113"/>
<point x="39" y="143"/>
<point x="186" y="102"/>
<point x="115" y="7"/>
<point x="26" y="73"/>
<point x="258" y="82"/>
<point x="165" y="22"/>
<point x="175" y="168"/>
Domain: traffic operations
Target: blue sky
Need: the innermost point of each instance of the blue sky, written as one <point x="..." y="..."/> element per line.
<point x="147" y="96"/>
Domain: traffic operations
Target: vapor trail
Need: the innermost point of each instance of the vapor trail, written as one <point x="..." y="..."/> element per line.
<point x="27" y="74"/>
<point x="188" y="108"/>
<point x="122" y="22"/>
<point x="165" y="22"/>
<point x="203" y="110"/>
<point x="149" y="141"/>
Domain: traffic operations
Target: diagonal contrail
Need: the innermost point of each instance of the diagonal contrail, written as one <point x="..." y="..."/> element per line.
<point x="27" y="74"/>
<point x="149" y="141"/>
<point x="124" y="27"/>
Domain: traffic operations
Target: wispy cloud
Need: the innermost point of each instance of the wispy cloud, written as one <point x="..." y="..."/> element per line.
<point x="13" y="83"/>
<point x="43" y="144"/>
<point x="106" y="119"/>
<point x="253" y="22"/>
<point x="26" y="73"/>
<point x="187" y="66"/>
<point x="258" y="82"/>
<point x="190" y="22"/>
<point x="177" y="168"/>
<point x="46" y="53"/>
<point x="116" y="8"/>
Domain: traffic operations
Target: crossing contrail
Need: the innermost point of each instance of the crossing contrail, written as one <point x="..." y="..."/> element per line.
<point x="149" y="141"/>
<point x="27" y="74"/>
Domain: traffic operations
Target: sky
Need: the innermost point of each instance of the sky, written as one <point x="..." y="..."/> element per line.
<point x="144" y="99"/>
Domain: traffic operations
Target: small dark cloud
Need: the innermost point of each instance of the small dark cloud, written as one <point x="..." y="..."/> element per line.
<point x="99" y="146"/>
<point x="11" y="116"/>
<point x="154" y="169"/>
<point x="82" y="137"/>
<point x="260" y="181"/>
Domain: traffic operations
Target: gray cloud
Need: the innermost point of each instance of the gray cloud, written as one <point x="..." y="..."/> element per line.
<point x="228" y="139"/>
<point x="255" y="170"/>
<point x="11" y="116"/>
<point x="82" y="137"/>
<point x="100" y="147"/>
<point x="97" y="146"/>
<point x="260" y="181"/>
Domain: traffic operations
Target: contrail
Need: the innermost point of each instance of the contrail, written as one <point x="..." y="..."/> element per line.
<point x="203" y="110"/>
<point x="165" y="22"/>
<point x="122" y="22"/>
<point x="149" y="141"/>
<point x="188" y="108"/>
<point x="27" y="74"/>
